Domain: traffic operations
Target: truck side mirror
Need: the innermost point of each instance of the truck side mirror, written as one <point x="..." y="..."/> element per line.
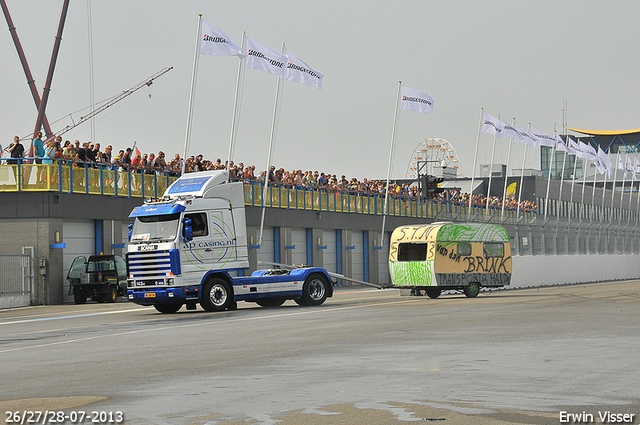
<point x="130" y="226"/>
<point x="188" y="230"/>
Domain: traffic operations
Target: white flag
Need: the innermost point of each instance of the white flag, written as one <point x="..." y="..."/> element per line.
<point x="560" y="145"/>
<point x="415" y="100"/>
<point x="600" y="161"/>
<point x="543" y="138"/>
<point x="526" y="137"/>
<point x="300" y="72"/>
<point x="510" y="131"/>
<point x="492" y="125"/>
<point x="637" y="167"/>
<point x="630" y="167"/>
<point x="215" y="42"/>
<point x="588" y="151"/>
<point x="265" y="58"/>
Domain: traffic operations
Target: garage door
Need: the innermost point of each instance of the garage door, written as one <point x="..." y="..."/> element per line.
<point x="357" y="255"/>
<point x="329" y="257"/>
<point x="299" y="240"/>
<point x="79" y="238"/>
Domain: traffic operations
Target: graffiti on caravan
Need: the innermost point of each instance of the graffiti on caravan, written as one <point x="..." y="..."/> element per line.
<point x="479" y="264"/>
<point x="463" y="279"/>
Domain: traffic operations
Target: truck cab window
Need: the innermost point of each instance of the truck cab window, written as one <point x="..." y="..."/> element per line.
<point x="198" y="224"/>
<point x="412" y="252"/>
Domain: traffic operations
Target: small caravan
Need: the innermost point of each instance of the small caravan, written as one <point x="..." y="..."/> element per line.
<point x="450" y="256"/>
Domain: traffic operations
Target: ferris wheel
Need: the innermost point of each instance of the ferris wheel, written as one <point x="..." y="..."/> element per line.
<point x="433" y="153"/>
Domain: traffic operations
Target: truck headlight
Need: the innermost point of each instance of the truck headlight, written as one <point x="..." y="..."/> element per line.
<point x="170" y="281"/>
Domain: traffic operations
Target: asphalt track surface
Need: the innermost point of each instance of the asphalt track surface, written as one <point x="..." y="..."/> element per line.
<point x="364" y="357"/>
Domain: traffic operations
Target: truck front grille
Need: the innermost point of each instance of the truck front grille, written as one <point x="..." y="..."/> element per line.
<point x="153" y="265"/>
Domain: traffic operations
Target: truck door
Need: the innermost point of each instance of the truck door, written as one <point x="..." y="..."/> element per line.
<point x="223" y="238"/>
<point x="196" y="255"/>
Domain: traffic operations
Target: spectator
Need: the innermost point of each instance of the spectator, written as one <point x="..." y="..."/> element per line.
<point x="16" y="150"/>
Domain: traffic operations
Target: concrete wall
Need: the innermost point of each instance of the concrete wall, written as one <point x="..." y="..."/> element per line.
<point x="536" y="270"/>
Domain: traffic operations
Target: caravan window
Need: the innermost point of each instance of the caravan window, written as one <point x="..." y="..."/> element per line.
<point x="493" y="250"/>
<point x="464" y="249"/>
<point x="412" y="251"/>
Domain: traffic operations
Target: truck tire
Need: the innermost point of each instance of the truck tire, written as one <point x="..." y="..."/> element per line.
<point x="168" y="308"/>
<point x="112" y="295"/>
<point x="79" y="297"/>
<point x="472" y="290"/>
<point x="314" y="291"/>
<point x="433" y="292"/>
<point x="216" y="295"/>
<point x="270" y="302"/>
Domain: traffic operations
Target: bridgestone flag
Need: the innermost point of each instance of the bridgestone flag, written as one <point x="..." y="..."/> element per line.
<point x="543" y="138"/>
<point x="414" y="100"/>
<point x="492" y="125"/>
<point x="215" y="42"/>
<point x="299" y="72"/>
<point x="265" y="58"/>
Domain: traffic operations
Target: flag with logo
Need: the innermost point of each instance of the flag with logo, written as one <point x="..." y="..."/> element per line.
<point x="299" y="72"/>
<point x="526" y="136"/>
<point x="265" y="58"/>
<point x="621" y="165"/>
<point x="415" y="100"/>
<point x="492" y="125"/>
<point x="588" y="151"/>
<point x="543" y="138"/>
<point x="629" y="167"/>
<point x="215" y="42"/>
<point x="510" y="131"/>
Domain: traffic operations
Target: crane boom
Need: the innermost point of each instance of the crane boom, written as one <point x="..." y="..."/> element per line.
<point x="113" y="101"/>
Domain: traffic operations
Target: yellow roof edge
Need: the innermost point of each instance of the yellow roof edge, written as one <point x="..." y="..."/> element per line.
<point x="604" y="133"/>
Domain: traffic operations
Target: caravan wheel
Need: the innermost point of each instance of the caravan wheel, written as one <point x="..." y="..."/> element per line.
<point x="472" y="290"/>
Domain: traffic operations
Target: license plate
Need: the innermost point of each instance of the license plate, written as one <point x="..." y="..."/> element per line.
<point x="150" y="295"/>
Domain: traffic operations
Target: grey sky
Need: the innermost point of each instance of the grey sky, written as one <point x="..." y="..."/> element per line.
<point x="519" y="59"/>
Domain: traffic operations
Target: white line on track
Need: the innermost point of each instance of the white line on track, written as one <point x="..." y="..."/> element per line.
<point x="227" y="320"/>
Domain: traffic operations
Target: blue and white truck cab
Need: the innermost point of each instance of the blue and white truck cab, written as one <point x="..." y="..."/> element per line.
<point x="190" y="246"/>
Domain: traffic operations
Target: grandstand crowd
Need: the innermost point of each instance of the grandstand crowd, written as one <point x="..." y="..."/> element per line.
<point x="92" y="155"/>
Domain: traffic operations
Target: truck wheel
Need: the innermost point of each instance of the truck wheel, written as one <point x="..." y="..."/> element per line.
<point x="216" y="295"/>
<point x="434" y="292"/>
<point x="168" y="308"/>
<point x="314" y="290"/>
<point x="79" y="297"/>
<point x="472" y="290"/>
<point x="112" y="295"/>
<point x="270" y="302"/>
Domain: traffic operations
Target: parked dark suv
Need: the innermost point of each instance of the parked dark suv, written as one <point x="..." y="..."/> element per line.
<point x="101" y="278"/>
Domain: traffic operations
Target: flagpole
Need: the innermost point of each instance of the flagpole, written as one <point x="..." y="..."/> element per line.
<point x="638" y="201"/>
<point x="271" y="140"/>
<point x="475" y="159"/>
<point x="524" y="159"/>
<point x="504" y="192"/>
<point x="236" y="106"/>
<point x="604" y="187"/>
<point x="551" y="156"/>
<point x="493" y="152"/>
<point x="593" y="193"/>
<point x="633" y="177"/>
<point x="564" y="161"/>
<point x="624" y="176"/>
<point x="573" y="182"/>
<point x="192" y="95"/>
<point x="613" y="187"/>
<point x="393" y="141"/>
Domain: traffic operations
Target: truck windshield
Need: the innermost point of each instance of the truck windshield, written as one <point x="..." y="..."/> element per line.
<point x="155" y="227"/>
